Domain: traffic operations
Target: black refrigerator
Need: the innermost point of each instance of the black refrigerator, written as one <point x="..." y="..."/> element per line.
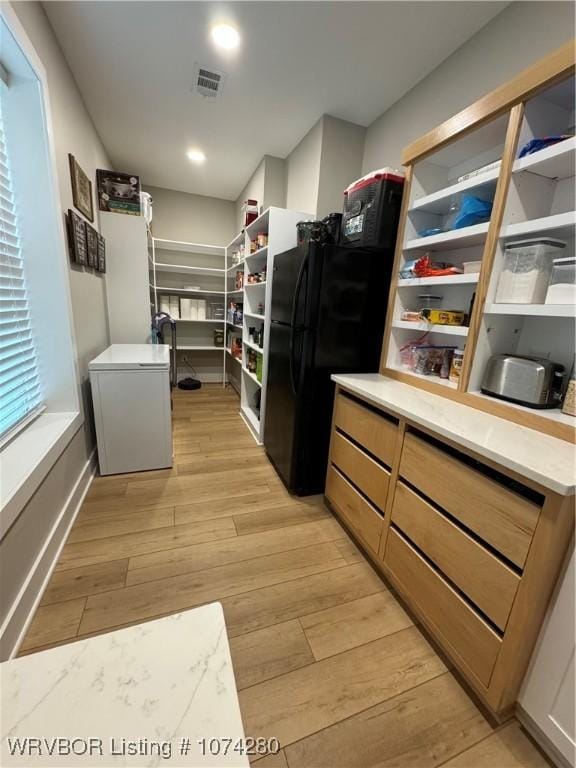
<point x="328" y="312"/>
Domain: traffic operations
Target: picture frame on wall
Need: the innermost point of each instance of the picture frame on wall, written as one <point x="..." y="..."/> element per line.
<point x="101" y="265"/>
<point x="81" y="189"/>
<point x="118" y="192"/>
<point x="77" y="238"/>
<point x="92" y="246"/>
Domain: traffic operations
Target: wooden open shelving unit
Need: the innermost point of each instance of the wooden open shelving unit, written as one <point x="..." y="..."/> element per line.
<point x="532" y="197"/>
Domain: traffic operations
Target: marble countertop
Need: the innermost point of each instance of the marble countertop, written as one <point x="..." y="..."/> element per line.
<point x="151" y="689"/>
<point x="539" y="457"/>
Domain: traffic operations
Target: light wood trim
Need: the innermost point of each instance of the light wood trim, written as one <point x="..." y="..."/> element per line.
<point x="500" y="517"/>
<point x="357" y="512"/>
<point x="489" y="583"/>
<point x="552" y="538"/>
<point x="372" y="479"/>
<point x="498" y="206"/>
<point x="553" y="67"/>
<point x="445" y="611"/>
<point x="393" y="480"/>
<point x="396" y="265"/>
<point x="375" y="433"/>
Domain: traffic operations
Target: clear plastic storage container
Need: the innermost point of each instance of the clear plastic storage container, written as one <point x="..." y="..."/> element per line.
<point x="562" y="286"/>
<point x="526" y="270"/>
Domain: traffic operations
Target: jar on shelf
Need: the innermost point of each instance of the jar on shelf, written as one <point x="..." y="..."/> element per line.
<point x="562" y="285"/>
<point x="569" y="404"/>
<point x="249" y="211"/>
<point x="526" y="270"/>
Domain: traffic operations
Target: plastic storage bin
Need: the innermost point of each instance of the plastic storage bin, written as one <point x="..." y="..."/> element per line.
<point x="526" y="271"/>
<point x="562" y="286"/>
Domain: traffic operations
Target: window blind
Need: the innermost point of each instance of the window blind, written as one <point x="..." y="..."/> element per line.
<point x="20" y="390"/>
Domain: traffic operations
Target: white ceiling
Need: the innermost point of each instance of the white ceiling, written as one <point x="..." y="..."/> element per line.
<point x="134" y="61"/>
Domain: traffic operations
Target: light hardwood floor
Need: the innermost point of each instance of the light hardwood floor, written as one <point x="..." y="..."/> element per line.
<point x="325" y="657"/>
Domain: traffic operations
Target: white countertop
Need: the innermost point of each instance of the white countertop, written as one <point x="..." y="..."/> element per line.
<point x="129" y="356"/>
<point x="544" y="459"/>
<point x="162" y="681"/>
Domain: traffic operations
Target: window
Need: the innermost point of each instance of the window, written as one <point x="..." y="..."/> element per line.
<point x="20" y="390"/>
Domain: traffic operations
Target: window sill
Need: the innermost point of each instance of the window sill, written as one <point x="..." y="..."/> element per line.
<point x="29" y="457"/>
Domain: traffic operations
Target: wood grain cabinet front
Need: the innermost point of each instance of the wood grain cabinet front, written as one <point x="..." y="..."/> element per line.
<point x="375" y="432"/>
<point x="357" y="512"/>
<point x="499" y="516"/>
<point x="366" y="474"/>
<point x="488" y="582"/>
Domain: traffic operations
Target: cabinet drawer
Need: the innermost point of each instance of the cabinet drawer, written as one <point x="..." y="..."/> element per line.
<point x="446" y="613"/>
<point x="499" y="516"/>
<point x="365" y="473"/>
<point x="358" y="513"/>
<point x="489" y="583"/>
<point x="375" y="433"/>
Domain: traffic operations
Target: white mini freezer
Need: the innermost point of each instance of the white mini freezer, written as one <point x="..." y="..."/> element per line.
<point x="131" y="396"/>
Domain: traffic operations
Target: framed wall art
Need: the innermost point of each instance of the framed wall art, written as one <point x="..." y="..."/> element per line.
<point x="92" y="246"/>
<point x="77" y="238"/>
<point x="101" y="265"/>
<point x="81" y="189"/>
<point x="118" y="192"/>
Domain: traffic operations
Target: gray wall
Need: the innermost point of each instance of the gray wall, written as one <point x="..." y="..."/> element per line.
<point x="267" y="185"/>
<point x="340" y="162"/>
<point x="512" y="41"/>
<point x="192" y="218"/>
<point x="303" y="171"/>
<point x="73" y="132"/>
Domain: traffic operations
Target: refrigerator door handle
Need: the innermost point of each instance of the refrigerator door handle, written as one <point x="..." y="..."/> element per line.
<point x="295" y="299"/>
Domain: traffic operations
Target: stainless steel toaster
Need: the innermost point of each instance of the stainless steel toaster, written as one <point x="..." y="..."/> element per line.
<point x="532" y="381"/>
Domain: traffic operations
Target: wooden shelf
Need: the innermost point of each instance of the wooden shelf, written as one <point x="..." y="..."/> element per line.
<point x="423" y="326"/>
<point x="439" y="202"/>
<point x="251" y="376"/>
<point x="421" y="282"/>
<point x="436" y="379"/>
<point x="558" y="225"/>
<point x="555" y="162"/>
<point x="532" y="310"/>
<point x="448" y="241"/>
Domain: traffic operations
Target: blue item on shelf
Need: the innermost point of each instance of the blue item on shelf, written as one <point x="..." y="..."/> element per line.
<point x="430" y="231"/>
<point x="408" y="270"/>
<point x="535" y="145"/>
<point x="473" y="210"/>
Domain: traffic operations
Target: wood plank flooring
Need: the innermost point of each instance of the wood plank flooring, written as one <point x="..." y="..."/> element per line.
<point x="325" y="657"/>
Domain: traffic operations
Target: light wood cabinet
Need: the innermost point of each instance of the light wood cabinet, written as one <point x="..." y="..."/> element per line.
<point x="473" y="549"/>
<point x="476" y="154"/>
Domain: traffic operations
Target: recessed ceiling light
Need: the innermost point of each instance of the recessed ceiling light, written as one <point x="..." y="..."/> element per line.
<point x="196" y="156"/>
<point x="225" y="36"/>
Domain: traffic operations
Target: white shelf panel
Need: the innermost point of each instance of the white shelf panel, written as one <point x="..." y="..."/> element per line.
<point x="255" y="347"/>
<point x="456" y="238"/>
<point x="259" y="253"/>
<point x="181" y="246"/>
<point x="184" y="320"/>
<point x="160" y="267"/>
<point x="233" y="325"/>
<point x="235" y="292"/>
<point x="559" y="225"/>
<point x="553" y="414"/>
<point x="167" y="289"/>
<point x="236" y="359"/>
<point x="258" y="317"/>
<point x="532" y="310"/>
<point x="439" y="202"/>
<point x="236" y="268"/>
<point x="435" y="379"/>
<point x="422" y="326"/>
<point x="251" y="376"/>
<point x="255" y="285"/>
<point x="422" y="282"/>
<point x="199" y="348"/>
<point x="252" y="421"/>
<point x="238" y="240"/>
<point x="555" y="162"/>
<point x="259" y="225"/>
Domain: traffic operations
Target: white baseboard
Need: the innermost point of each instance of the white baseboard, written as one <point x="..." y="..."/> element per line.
<point x="16" y="625"/>
<point x="541" y="738"/>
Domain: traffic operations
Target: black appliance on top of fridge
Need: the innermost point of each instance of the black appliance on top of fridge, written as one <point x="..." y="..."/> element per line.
<point x="327" y="316"/>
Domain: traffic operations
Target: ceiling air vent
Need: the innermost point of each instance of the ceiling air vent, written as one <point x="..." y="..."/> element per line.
<point x="208" y="82"/>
